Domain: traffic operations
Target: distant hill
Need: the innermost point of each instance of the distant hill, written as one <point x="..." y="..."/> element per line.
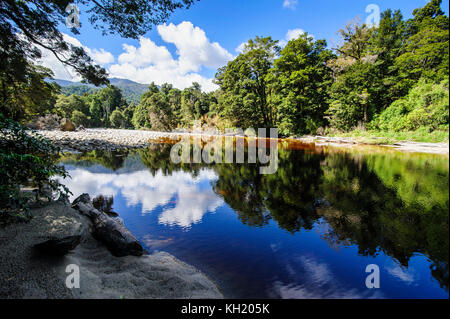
<point x="131" y="90"/>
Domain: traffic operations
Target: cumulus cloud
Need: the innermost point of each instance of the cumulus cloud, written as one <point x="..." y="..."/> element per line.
<point x="149" y="62"/>
<point x="241" y="47"/>
<point x="152" y="63"/>
<point x="292" y="34"/>
<point x="61" y="71"/>
<point x="290" y="4"/>
<point x="193" y="47"/>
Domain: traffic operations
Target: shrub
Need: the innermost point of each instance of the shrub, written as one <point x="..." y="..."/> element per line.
<point x="426" y="105"/>
<point x="117" y="120"/>
<point x="26" y="159"/>
<point x="79" y="118"/>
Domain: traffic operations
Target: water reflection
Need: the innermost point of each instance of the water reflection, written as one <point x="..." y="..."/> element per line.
<point x="182" y="198"/>
<point x="382" y="203"/>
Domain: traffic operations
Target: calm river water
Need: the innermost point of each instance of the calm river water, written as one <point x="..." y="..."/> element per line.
<point x="307" y="231"/>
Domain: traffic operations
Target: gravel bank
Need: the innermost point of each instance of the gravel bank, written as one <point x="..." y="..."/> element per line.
<point x="111" y="139"/>
<point x="27" y="273"/>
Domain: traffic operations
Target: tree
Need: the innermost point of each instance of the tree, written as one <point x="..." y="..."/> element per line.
<point x="386" y="44"/>
<point x="352" y="95"/>
<point x="141" y="115"/>
<point x="244" y="95"/>
<point x="426" y="51"/>
<point x="28" y="26"/>
<point x="66" y="105"/>
<point x="28" y="97"/>
<point x="117" y="119"/>
<point x="78" y="118"/>
<point x="161" y="107"/>
<point x="298" y="83"/>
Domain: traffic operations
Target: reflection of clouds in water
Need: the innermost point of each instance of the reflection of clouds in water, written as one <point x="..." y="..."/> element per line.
<point x="141" y="187"/>
<point x="318" y="281"/>
<point x="404" y="274"/>
<point x="83" y="181"/>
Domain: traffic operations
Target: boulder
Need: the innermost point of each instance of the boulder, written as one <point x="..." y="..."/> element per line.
<point x="67" y="125"/>
<point x="110" y="231"/>
<point x="58" y="246"/>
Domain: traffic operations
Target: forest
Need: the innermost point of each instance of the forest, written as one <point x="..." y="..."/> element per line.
<point x="387" y="78"/>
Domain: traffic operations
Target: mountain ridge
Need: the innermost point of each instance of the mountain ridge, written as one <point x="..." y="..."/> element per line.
<point x="131" y="91"/>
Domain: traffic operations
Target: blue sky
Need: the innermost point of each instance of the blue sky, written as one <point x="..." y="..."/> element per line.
<point x="194" y="42"/>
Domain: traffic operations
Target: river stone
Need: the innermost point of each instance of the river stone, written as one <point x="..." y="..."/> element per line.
<point x="110" y="231"/>
<point x="58" y="246"/>
<point x="67" y="125"/>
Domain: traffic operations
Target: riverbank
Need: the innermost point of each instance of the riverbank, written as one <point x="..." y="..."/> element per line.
<point x="26" y="272"/>
<point x="112" y="139"/>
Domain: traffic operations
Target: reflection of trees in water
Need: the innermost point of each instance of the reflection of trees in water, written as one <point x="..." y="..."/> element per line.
<point x="398" y="205"/>
<point x="109" y="159"/>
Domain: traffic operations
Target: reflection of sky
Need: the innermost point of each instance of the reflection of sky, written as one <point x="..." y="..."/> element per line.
<point x="186" y="200"/>
<point x="246" y="262"/>
<point x="317" y="281"/>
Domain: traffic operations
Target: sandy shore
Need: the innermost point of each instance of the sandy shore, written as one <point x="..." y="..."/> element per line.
<point x="111" y="139"/>
<point x="27" y="273"/>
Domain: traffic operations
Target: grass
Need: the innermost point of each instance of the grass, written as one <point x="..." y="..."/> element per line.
<point x="383" y="137"/>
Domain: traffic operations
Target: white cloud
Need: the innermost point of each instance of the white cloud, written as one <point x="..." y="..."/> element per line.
<point x="193" y="47"/>
<point x="291" y="4"/>
<point x="152" y="63"/>
<point x="61" y="71"/>
<point x="241" y="47"/>
<point x="149" y="62"/>
<point x="294" y="34"/>
<point x="291" y="35"/>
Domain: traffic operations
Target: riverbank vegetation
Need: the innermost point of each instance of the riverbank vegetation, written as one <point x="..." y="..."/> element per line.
<point x="389" y="80"/>
<point x="27" y="27"/>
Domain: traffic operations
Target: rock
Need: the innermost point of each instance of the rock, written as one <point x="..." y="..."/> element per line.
<point x="112" y="214"/>
<point x="67" y="125"/>
<point x="110" y="231"/>
<point x="58" y="246"/>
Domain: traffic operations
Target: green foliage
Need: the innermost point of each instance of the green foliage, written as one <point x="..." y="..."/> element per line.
<point x="244" y="98"/>
<point x="426" y="52"/>
<point x="30" y="95"/>
<point x="27" y="159"/>
<point x="426" y="105"/>
<point x="299" y="82"/>
<point x="27" y="26"/>
<point x="117" y="119"/>
<point x="78" y="118"/>
<point x="66" y="105"/>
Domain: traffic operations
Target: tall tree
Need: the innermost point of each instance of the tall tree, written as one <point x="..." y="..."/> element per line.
<point x="426" y="52"/>
<point x="298" y="83"/>
<point x="243" y="85"/>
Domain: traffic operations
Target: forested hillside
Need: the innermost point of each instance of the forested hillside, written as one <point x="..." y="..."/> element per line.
<point x="130" y="90"/>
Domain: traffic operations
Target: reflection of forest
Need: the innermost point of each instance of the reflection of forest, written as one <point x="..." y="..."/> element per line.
<point x="389" y="202"/>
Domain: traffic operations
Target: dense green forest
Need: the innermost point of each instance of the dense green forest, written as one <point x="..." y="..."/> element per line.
<point x="388" y="78"/>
